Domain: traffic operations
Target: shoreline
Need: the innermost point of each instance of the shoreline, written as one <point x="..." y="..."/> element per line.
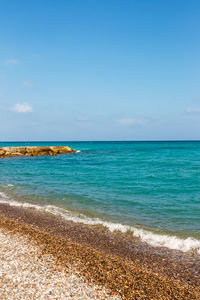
<point x="183" y="242"/>
<point x="118" y="262"/>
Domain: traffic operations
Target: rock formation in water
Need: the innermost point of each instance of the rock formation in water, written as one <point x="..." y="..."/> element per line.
<point x="34" y="151"/>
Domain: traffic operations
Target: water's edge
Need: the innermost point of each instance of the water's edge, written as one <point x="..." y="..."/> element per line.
<point x="151" y="238"/>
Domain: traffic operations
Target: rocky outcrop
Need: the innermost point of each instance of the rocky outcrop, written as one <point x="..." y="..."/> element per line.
<point x="34" y="151"/>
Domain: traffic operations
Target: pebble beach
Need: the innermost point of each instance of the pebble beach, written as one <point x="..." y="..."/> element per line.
<point x="25" y="274"/>
<point x="99" y="150"/>
<point x="45" y="257"/>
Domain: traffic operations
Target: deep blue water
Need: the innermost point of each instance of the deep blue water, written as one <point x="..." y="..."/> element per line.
<point x="152" y="185"/>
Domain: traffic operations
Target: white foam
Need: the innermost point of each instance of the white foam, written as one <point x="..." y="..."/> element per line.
<point x="78" y="151"/>
<point x="153" y="239"/>
<point x="171" y="242"/>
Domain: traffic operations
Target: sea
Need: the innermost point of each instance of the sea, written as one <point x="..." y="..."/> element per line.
<point x="149" y="189"/>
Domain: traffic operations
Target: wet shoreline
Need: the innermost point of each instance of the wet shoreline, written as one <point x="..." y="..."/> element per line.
<point x="120" y="262"/>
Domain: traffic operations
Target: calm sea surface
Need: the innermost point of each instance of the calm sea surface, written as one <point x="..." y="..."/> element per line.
<point x="153" y="187"/>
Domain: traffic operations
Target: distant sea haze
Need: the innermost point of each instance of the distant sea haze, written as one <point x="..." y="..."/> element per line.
<point x="148" y="188"/>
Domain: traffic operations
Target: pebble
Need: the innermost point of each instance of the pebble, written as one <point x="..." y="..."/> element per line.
<point x="24" y="274"/>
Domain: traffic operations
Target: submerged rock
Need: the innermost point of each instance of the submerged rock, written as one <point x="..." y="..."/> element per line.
<point x="34" y="151"/>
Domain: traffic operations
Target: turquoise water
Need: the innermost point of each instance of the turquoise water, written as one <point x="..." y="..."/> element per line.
<point x="154" y="186"/>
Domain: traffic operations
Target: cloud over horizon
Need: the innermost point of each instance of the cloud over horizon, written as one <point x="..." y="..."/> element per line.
<point x="193" y="111"/>
<point x="82" y="119"/>
<point x="22" y="108"/>
<point x="133" y="121"/>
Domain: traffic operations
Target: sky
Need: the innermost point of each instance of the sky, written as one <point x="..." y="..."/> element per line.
<point x="99" y="70"/>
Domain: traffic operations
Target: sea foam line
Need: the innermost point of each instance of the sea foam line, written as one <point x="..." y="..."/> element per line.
<point x="153" y="239"/>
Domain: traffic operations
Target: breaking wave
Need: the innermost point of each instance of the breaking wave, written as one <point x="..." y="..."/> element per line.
<point x="153" y="239"/>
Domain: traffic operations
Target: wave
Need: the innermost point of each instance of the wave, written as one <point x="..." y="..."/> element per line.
<point x="151" y="238"/>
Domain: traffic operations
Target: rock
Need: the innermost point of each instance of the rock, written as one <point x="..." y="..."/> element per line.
<point x="2" y="152"/>
<point x="16" y="154"/>
<point x="54" y="150"/>
<point x="34" y="151"/>
<point x="66" y="149"/>
<point x="14" y="149"/>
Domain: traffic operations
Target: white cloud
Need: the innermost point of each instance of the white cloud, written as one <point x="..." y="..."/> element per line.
<point x="82" y="119"/>
<point x="133" y="121"/>
<point x="12" y="61"/>
<point x="193" y="111"/>
<point x="22" y="108"/>
<point x="27" y="84"/>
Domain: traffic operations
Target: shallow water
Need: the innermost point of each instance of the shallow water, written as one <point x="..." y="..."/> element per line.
<point x="150" y="188"/>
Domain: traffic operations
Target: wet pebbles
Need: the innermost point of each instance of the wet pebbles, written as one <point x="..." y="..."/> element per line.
<point x="121" y="265"/>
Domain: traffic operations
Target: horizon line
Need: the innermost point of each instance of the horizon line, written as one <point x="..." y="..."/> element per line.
<point x="78" y="141"/>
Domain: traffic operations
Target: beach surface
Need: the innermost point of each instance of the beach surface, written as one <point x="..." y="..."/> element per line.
<point x="26" y="274"/>
<point x="46" y="257"/>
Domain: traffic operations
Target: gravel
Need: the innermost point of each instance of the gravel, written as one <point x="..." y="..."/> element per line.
<point x="25" y="274"/>
<point x="101" y="261"/>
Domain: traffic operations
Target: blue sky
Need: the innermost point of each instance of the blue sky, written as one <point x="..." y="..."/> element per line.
<point x="99" y="70"/>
